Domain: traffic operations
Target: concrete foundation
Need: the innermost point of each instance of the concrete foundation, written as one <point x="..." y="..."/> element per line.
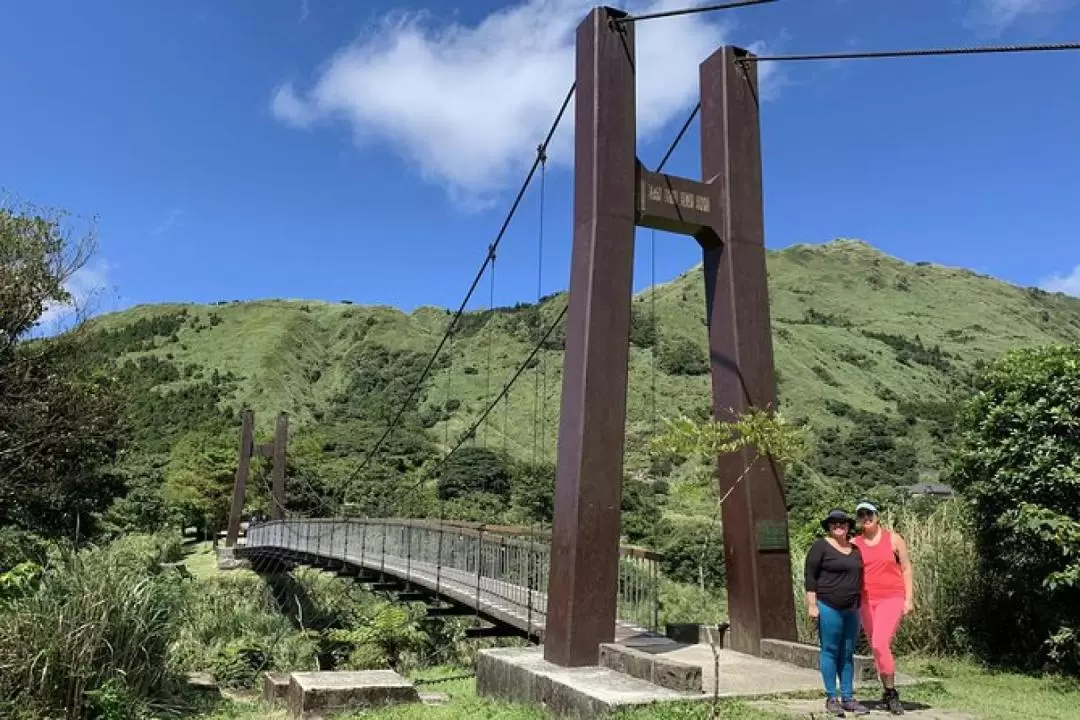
<point x="315" y="695"/>
<point x="522" y="675"/>
<point x="631" y="659"/>
<point x="275" y="687"/>
<point x="808" y="656"/>
<point x="646" y="670"/>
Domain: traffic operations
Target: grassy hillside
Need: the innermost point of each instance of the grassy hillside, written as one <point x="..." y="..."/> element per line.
<point x="862" y="340"/>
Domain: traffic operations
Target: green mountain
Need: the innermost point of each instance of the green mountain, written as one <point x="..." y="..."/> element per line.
<point x="870" y="351"/>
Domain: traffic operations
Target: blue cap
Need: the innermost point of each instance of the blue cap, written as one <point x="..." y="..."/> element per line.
<point x="866" y="506"/>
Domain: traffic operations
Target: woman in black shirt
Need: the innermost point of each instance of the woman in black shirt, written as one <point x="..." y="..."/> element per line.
<point x="833" y="583"/>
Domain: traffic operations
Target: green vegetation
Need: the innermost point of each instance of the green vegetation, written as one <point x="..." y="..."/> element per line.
<point x="1019" y="463"/>
<point x="124" y="430"/>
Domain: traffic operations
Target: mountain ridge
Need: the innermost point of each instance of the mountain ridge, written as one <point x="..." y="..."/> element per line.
<point x="859" y="337"/>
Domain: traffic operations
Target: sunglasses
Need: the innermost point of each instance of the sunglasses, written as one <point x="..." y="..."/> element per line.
<point x="864" y="514"/>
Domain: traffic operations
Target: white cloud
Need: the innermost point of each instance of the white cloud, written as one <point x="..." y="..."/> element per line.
<point x="996" y="15"/>
<point x="1068" y="284"/>
<point x="86" y="285"/>
<point x="467" y="105"/>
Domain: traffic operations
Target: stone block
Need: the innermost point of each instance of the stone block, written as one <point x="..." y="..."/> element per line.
<point x="695" y="633"/>
<point x="275" y="687"/>
<point x="807" y="656"/>
<point x="314" y="695"/>
<point x="651" y="666"/>
<point x="201" y="681"/>
<point x="521" y="675"/>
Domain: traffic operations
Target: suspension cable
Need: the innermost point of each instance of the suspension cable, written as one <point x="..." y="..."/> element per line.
<point x="539" y="294"/>
<point x="506" y="388"/>
<point x="652" y="324"/>
<point x="539" y="304"/>
<point x="692" y="11"/>
<point x="490" y="337"/>
<point x="678" y="138"/>
<point x="916" y="52"/>
<point x="463" y="438"/>
<point x="472" y="288"/>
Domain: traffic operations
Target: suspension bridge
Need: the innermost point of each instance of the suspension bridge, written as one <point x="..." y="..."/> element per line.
<point x="498" y="573"/>
<point x="577" y="586"/>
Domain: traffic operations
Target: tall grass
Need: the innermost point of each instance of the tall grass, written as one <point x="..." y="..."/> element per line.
<point x="945" y="577"/>
<point x="94" y="624"/>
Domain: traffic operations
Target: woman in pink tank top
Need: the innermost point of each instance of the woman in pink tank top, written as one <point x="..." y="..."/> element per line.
<point x="886" y="594"/>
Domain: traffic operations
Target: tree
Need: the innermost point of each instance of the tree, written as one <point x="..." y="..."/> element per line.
<point x="1018" y="463"/>
<point x="475" y="470"/>
<point x="682" y="356"/>
<point x="60" y="417"/>
<point x="199" y="478"/>
<point x="533" y="491"/>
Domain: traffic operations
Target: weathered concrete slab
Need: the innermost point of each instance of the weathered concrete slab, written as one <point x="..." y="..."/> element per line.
<point x="808" y="656"/>
<point x="653" y="667"/>
<point x="201" y="681"/>
<point x="816" y="708"/>
<point x="434" y="698"/>
<point x="275" y="687"/>
<point x="522" y="675"/>
<point x="313" y="695"/>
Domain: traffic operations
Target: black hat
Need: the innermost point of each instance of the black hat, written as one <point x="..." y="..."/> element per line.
<point x="837" y="514"/>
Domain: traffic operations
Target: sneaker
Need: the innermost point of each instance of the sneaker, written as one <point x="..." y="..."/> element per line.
<point x="891" y="700"/>
<point x="832" y="705"/>
<point x="854" y="706"/>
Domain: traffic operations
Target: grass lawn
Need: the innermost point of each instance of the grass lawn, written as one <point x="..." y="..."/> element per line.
<point x="960" y="686"/>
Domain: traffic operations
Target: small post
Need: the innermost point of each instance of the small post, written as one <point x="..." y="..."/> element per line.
<point x="584" y="573"/>
<point x="240" y="486"/>
<point x="756" y="555"/>
<point x="281" y="443"/>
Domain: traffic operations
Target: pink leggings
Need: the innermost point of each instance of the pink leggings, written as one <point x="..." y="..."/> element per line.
<point x="880" y="620"/>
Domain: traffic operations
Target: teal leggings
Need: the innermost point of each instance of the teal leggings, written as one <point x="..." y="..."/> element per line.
<point x="838" y="630"/>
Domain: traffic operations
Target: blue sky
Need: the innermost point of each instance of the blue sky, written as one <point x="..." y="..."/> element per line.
<point x="369" y="150"/>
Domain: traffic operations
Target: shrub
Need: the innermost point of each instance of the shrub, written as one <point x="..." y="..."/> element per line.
<point x="682" y="356"/>
<point x="95" y="628"/>
<point x="1019" y="465"/>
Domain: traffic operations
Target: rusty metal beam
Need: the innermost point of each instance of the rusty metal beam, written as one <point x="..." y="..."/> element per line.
<point x="760" y="599"/>
<point x="240" y="485"/>
<point x="583" y="581"/>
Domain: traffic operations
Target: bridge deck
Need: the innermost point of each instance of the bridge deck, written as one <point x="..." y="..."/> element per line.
<point x="497" y="592"/>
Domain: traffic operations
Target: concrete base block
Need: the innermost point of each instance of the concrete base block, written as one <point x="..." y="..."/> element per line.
<point x="314" y="695"/>
<point x="647" y="666"/>
<point x="522" y="675"/>
<point x="694" y="633"/>
<point x="227" y="559"/>
<point x="275" y="687"/>
<point x="807" y="656"/>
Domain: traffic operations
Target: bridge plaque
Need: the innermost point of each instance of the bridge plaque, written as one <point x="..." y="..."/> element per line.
<point x="675" y="204"/>
<point x="772" y="536"/>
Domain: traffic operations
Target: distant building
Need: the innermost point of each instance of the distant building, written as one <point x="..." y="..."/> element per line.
<point x="932" y="489"/>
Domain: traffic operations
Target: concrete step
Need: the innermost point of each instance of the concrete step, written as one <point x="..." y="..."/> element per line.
<point x="522" y="675"/>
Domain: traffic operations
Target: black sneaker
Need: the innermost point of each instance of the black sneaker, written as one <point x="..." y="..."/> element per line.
<point x="832" y="705"/>
<point x="891" y="700"/>
<point x="854" y="706"/>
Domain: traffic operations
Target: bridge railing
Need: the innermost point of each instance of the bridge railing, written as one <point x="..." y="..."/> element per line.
<point x="500" y="565"/>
